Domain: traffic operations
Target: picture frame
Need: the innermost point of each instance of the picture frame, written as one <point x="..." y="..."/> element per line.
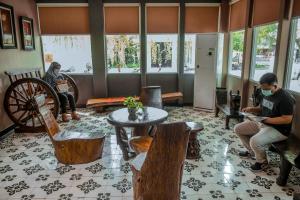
<point x="8" y="39"/>
<point x="27" y="33"/>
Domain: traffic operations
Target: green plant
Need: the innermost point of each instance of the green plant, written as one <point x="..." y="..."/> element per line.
<point x="132" y="103"/>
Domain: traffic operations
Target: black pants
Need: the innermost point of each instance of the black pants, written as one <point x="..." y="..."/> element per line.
<point x="64" y="98"/>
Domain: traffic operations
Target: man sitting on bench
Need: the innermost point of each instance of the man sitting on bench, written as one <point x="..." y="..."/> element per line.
<point x="277" y="106"/>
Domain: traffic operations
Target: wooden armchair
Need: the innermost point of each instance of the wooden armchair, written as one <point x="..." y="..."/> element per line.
<point x="70" y="147"/>
<point x="157" y="174"/>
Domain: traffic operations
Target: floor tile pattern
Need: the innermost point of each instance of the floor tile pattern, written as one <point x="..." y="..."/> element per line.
<point x="29" y="169"/>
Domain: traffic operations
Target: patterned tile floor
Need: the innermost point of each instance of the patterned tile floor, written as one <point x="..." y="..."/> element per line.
<point x="29" y="169"/>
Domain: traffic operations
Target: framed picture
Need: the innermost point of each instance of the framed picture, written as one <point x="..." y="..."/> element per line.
<point x="7" y="27"/>
<point x="27" y="33"/>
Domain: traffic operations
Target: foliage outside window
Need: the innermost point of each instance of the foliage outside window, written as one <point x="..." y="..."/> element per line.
<point x="189" y="53"/>
<point x="73" y="52"/>
<point x="236" y="52"/>
<point x="294" y="58"/>
<point x="264" y="48"/>
<point x="162" y="53"/>
<point x="123" y="53"/>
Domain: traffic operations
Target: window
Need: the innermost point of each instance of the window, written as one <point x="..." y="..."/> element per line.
<point x="294" y="57"/>
<point x="236" y="53"/>
<point x="162" y="53"/>
<point x="264" y="47"/>
<point x="189" y="53"/>
<point x="72" y="52"/>
<point x="123" y="53"/>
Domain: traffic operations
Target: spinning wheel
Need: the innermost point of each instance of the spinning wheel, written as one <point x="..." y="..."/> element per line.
<point x="73" y="89"/>
<point x="20" y="106"/>
<point x="19" y="101"/>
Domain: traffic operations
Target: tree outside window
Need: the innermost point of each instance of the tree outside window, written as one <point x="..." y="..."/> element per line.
<point x="265" y="38"/>
<point x="161" y="53"/>
<point x="236" y="52"/>
<point x="73" y="52"/>
<point x="123" y="53"/>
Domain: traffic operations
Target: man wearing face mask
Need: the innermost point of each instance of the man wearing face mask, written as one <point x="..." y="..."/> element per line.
<point x="277" y="105"/>
<point x="54" y="78"/>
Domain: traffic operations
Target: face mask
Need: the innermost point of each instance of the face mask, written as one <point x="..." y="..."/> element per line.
<point x="267" y="93"/>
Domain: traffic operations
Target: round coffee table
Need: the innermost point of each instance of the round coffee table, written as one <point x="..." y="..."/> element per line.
<point x="193" y="151"/>
<point x="120" y="119"/>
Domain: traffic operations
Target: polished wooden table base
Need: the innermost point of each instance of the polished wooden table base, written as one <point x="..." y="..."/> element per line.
<point x="193" y="150"/>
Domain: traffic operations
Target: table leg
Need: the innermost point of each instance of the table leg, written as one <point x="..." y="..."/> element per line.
<point x="193" y="151"/>
<point x="227" y="122"/>
<point x="141" y="131"/>
<point x="122" y="141"/>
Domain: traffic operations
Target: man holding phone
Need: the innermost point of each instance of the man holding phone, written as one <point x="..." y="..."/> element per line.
<point x="277" y="105"/>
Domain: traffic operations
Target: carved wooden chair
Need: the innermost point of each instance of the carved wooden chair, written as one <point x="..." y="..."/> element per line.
<point x="157" y="174"/>
<point x="70" y="147"/>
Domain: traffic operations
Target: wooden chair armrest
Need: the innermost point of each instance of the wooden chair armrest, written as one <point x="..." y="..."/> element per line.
<point x="138" y="161"/>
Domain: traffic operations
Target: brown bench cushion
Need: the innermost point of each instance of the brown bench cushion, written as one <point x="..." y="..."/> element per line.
<point x="111" y="101"/>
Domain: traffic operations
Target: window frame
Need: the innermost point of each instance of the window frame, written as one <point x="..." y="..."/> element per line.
<point x="149" y="56"/>
<point x="105" y="53"/>
<point x="290" y="55"/>
<point x="254" y="48"/>
<point x="230" y="52"/>
<point x="69" y="73"/>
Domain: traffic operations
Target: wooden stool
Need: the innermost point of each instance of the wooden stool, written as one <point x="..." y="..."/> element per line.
<point x="193" y="150"/>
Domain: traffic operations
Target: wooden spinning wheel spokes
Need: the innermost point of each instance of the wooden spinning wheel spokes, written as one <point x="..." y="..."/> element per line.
<point x="20" y="105"/>
<point x="72" y="86"/>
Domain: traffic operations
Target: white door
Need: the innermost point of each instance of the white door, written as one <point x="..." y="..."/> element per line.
<point x="205" y="71"/>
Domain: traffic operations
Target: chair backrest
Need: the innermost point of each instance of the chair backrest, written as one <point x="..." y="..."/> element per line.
<point x="50" y="123"/>
<point x="151" y="96"/>
<point x="256" y="96"/>
<point x="221" y="96"/>
<point x="161" y="172"/>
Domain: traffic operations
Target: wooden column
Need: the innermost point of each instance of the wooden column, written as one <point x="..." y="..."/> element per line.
<point x="247" y="54"/>
<point x="143" y="43"/>
<point x="181" y="36"/>
<point x="224" y="23"/>
<point x="283" y="40"/>
<point x="97" y="46"/>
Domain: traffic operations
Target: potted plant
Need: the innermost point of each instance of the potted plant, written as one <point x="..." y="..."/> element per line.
<point x="133" y="106"/>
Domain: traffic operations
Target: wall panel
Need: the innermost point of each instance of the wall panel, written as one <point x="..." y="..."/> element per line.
<point x="17" y="58"/>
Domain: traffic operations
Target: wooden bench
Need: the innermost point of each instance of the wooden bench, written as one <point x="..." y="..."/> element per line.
<point x="100" y="103"/>
<point x="289" y="151"/>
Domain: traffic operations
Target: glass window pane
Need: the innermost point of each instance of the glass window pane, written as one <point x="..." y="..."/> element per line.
<point x="72" y="52"/>
<point x="236" y="53"/>
<point x="295" y="57"/>
<point x="189" y="53"/>
<point x="264" y="48"/>
<point x="123" y="53"/>
<point x="162" y="53"/>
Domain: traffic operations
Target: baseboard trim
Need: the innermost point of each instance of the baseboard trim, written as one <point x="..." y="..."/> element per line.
<point x="4" y="133"/>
